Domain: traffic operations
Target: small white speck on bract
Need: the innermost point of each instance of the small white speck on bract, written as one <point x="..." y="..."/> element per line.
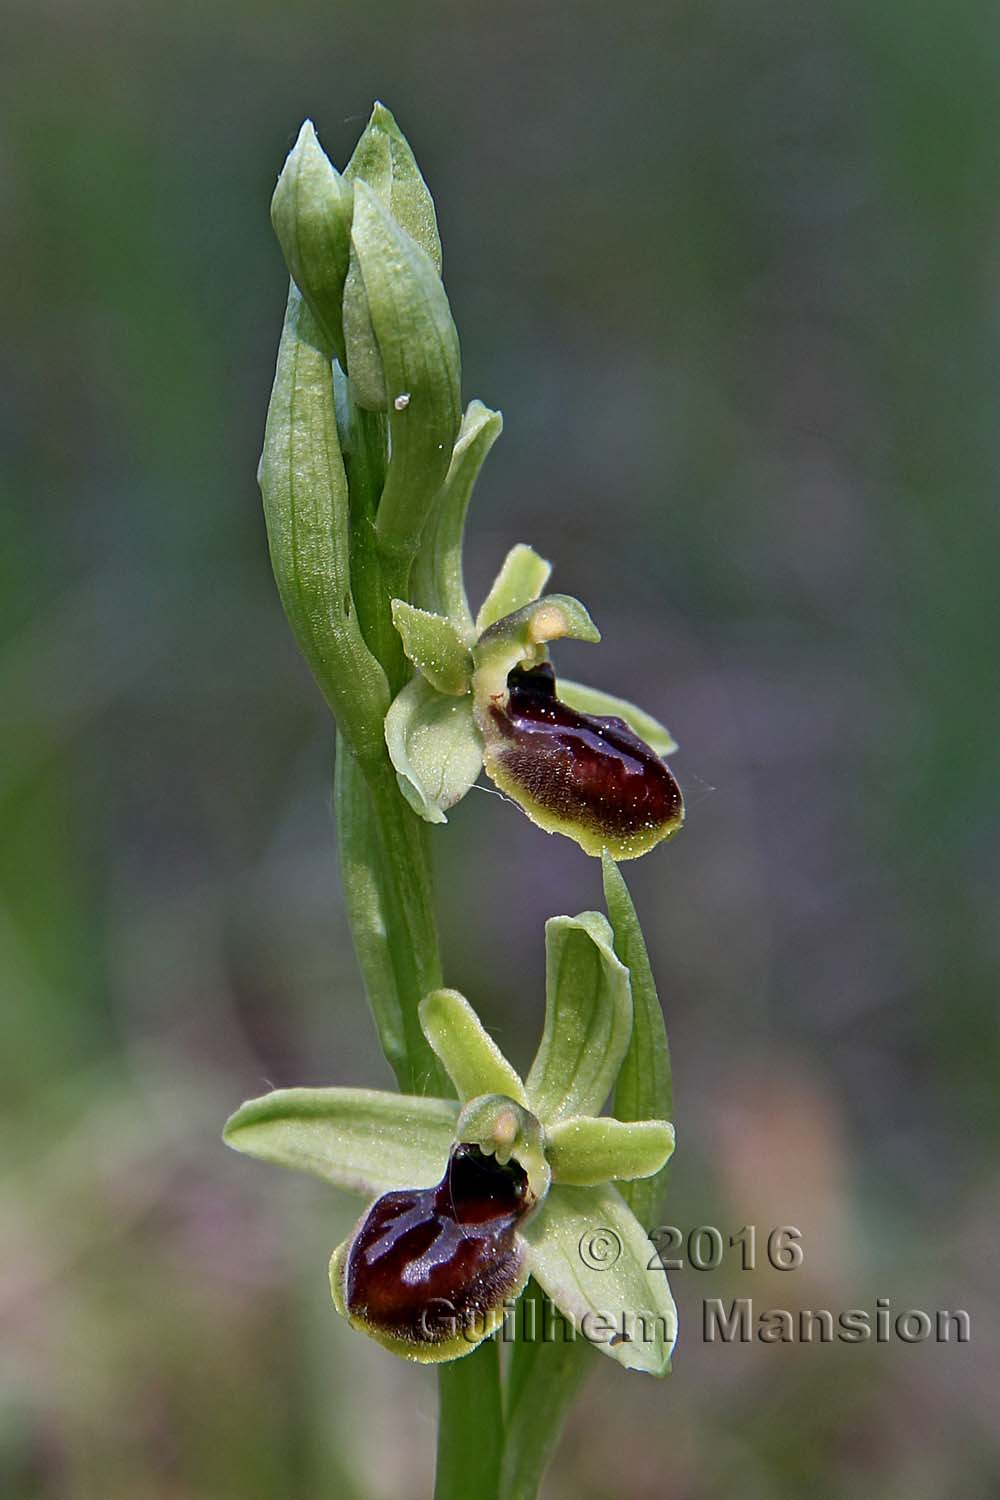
<point x="402" y="401"/>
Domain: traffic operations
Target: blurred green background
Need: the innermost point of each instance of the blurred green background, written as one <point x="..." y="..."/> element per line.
<point x="730" y="270"/>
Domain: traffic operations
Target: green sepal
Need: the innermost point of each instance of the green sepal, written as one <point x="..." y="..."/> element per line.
<point x="587" y="1151"/>
<point x="437" y="580"/>
<point x="419" y="353"/>
<point x="521" y="579"/>
<point x="645" y="1086"/>
<point x="434" y="746"/>
<point x="311" y="212"/>
<point x="588" y="1019"/>
<point x="589" y="1252"/>
<point x="520" y="639"/>
<point x="470" y="1056"/>
<point x="304" y="488"/>
<point x="588" y="700"/>
<point x="383" y="159"/>
<point x="501" y="1127"/>
<point x="362" y="1140"/>
<point x="434" y="645"/>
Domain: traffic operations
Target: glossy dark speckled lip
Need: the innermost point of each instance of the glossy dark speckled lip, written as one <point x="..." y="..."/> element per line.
<point x="451" y="1245"/>
<point x="580" y="768"/>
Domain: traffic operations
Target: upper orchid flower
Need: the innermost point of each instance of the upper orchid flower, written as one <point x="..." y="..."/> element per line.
<point x="578" y="761"/>
<point x="513" y="1179"/>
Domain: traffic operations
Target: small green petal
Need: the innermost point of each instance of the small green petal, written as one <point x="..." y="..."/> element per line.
<point x="520" y="581"/>
<point x="588" y="1151"/>
<point x="363" y="1140"/>
<point x="588" y="1019"/>
<point x="435" y="747"/>
<point x="590" y="700"/>
<point x="434" y="645"/>
<point x="589" y="1252"/>
<point x="471" y="1057"/>
<point x="645" y="1086"/>
<point x="437" y="580"/>
<point x="383" y="159"/>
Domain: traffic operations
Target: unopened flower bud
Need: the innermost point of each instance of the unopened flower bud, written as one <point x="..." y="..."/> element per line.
<point x="311" y="212"/>
<point x="384" y="160"/>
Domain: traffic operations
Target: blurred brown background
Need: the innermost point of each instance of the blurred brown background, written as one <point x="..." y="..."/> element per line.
<point x="730" y="270"/>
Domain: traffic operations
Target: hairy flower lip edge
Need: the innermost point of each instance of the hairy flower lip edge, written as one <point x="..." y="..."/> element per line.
<point x="432" y="1352"/>
<point x="571" y="1304"/>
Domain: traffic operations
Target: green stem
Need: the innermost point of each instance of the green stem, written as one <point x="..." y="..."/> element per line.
<point x="470" y="1431"/>
<point x="367" y="896"/>
<point x="408" y="911"/>
<point x="387" y="880"/>
<point x="545" y="1376"/>
<point x="363" y="438"/>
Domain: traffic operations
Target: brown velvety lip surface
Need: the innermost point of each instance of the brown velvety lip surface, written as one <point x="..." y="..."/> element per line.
<point x="581" y="767"/>
<point x="452" y="1244"/>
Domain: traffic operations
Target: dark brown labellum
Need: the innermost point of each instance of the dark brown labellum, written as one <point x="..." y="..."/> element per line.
<point x="427" y="1265"/>
<point x="578" y="773"/>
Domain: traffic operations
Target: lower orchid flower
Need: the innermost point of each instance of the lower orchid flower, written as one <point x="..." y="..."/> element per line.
<point x="514" y="1178"/>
